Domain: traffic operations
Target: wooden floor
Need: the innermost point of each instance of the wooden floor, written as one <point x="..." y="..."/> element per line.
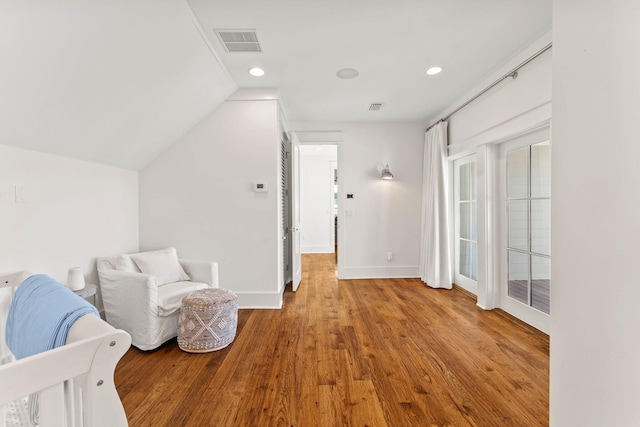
<point x="387" y="352"/>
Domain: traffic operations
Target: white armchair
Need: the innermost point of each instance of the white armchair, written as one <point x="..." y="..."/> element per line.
<point x="142" y="292"/>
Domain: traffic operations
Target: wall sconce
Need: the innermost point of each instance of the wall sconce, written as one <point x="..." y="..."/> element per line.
<point x="386" y="173"/>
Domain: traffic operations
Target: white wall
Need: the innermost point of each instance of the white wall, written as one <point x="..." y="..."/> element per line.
<point x="76" y="211"/>
<point x="595" y="339"/>
<point x="385" y="214"/>
<point x="316" y="198"/>
<point x="197" y="196"/>
<point x="510" y="108"/>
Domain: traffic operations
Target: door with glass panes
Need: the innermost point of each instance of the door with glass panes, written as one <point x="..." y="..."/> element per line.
<point x="465" y="224"/>
<point x="526" y="231"/>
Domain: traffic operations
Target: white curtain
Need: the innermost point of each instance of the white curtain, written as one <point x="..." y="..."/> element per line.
<point x="435" y="256"/>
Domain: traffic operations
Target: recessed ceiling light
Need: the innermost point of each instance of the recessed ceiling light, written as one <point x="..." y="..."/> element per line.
<point x="434" y="70"/>
<point x="347" y="73"/>
<point x="256" y="72"/>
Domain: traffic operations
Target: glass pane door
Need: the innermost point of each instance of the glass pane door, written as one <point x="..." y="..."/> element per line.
<point x="465" y="212"/>
<point x="528" y="224"/>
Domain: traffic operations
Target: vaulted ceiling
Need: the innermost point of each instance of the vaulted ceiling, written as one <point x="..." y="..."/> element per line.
<point x="117" y="82"/>
<point x="113" y="81"/>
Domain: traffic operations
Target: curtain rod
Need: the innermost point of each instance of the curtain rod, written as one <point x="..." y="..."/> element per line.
<point x="513" y="74"/>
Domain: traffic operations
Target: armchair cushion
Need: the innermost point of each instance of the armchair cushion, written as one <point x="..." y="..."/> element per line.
<point x="164" y="266"/>
<point x="125" y="263"/>
<point x="170" y="295"/>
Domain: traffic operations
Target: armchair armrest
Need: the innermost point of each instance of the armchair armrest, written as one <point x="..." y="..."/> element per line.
<point x="130" y="299"/>
<point x="201" y="271"/>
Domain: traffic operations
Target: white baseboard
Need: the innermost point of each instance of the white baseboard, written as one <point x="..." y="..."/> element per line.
<point x="268" y="300"/>
<point x="391" y="272"/>
<point x="317" y="249"/>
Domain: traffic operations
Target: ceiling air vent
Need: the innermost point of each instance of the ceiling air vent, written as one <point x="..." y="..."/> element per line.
<point x="239" y="40"/>
<point x="375" y="106"/>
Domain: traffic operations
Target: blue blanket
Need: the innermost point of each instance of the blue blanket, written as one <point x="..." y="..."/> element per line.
<point x="40" y="315"/>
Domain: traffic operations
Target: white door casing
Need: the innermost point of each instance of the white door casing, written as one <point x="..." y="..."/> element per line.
<point x="295" y="217"/>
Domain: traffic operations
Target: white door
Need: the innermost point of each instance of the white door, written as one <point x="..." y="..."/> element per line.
<point x="526" y="232"/>
<point x="465" y="223"/>
<point x="296" y="255"/>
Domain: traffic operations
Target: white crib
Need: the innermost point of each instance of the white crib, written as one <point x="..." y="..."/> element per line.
<point x="74" y="382"/>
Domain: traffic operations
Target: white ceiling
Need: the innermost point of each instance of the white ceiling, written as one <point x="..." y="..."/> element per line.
<point x="114" y="81"/>
<point x="391" y="44"/>
<point x="118" y="82"/>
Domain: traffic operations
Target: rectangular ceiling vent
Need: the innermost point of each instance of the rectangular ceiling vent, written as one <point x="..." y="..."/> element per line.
<point x="239" y="40"/>
<point x="376" y="106"/>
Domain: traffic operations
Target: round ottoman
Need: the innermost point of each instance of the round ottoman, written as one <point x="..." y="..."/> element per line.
<point x="208" y="320"/>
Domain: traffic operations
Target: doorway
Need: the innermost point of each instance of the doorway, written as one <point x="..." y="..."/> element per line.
<point x="318" y="198"/>
<point x="332" y="169"/>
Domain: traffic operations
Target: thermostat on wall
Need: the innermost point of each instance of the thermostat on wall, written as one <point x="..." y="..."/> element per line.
<point x="260" y="187"/>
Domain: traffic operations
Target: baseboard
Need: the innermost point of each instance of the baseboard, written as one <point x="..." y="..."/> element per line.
<point x="466" y="292"/>
<point x="391" y="272"/>
<point x="520" y="323"/>
<point x="502" y="313"/>
<point x="266" y="300"/>
<point x="317" y="249"/>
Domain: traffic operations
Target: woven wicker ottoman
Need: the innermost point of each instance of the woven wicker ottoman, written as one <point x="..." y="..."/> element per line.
<point x="208" y="320"/>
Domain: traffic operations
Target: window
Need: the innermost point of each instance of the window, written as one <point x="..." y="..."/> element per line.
<point x="528" y="214"/>
<point x="465" y="209"/>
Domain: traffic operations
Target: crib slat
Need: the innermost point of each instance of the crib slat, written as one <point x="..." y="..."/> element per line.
<point x="52" y="406"/>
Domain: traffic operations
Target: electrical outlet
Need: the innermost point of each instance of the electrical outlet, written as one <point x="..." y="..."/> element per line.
<point x="389" y="256"/>
<point x="21" y="194"/>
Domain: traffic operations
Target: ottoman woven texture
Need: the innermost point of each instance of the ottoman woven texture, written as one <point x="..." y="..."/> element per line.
<point x="208" y="320"/>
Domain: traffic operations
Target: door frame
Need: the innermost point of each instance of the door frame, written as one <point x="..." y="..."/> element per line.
<point x="294" y="213"/>
<point x="324" y="138"/>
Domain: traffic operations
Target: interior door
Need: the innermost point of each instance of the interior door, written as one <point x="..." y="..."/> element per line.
<point x="296" y="255"/>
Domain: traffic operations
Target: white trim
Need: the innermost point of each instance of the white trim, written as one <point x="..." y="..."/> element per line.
<point x="488" y="225"/>
<point x="333" y="167"/>
<point x="260" y="300"/>
<point x="317" y="249"/>
<point x="396" y="272"/>
<point x="529" y="121"/>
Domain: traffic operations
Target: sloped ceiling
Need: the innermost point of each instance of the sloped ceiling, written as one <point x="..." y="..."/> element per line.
<point x="114" y="81"/>
<point x="118" y="81"/>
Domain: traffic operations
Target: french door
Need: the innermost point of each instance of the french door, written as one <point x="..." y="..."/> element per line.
<point x="526" y="229"/>
<point x="465" y="223"/>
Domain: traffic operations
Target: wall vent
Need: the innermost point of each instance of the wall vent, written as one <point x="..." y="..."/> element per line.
<point x="239" y="40"/>
<point x="375" y="106"/>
